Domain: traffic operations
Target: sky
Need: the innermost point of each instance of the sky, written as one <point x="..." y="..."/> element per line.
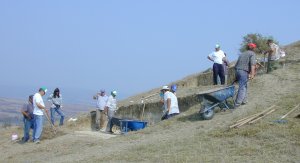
<point x="130" y="46"/>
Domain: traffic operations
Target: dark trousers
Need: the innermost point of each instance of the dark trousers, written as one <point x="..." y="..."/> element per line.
<point x="218" y="70"/>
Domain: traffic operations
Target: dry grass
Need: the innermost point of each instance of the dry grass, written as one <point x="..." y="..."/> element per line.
<point x="264" y="141"/>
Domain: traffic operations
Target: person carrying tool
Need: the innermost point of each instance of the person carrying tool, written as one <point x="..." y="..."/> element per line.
<point x="171" y="108"/>
<point x="245" y="71"/>
<point x="218" y="57"/>
<point x="100" y="115"/>
<point x="27" y="111"/>
<point x="56" y="100"/>
<point x="38" y="107"/>
<point x="110" y="109"/>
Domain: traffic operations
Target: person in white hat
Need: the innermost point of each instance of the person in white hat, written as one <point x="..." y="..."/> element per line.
<point x="171" y="108"/>
<point x="110" y="109"/>
<point x="218" y="57"/>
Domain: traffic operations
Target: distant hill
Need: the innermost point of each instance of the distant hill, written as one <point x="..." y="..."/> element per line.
<point x="10" y="109"/>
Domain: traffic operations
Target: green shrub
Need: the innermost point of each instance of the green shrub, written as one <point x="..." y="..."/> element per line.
<point x="259" y="40"/>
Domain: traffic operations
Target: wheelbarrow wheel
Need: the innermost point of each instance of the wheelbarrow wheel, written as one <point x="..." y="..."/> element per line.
<point x="208" y="114"/>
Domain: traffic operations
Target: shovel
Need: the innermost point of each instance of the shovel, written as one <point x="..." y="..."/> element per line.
<point x="52" y="126"/>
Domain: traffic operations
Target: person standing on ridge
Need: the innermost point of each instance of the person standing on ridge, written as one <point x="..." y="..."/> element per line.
<point x="245" y="71"/>
<point x="28" y="119"/>
<point x="56" y="100"/>
<point x="38" y="107"/>
<point x="110" y="109"/>
<point x="218" y="57"/>
<point x="101" y="103"/>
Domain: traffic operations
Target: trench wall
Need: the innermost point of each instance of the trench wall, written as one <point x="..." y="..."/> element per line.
<point x="153" y="111"/>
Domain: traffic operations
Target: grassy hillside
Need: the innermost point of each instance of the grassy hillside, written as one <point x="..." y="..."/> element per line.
<point x="186" y="138"/>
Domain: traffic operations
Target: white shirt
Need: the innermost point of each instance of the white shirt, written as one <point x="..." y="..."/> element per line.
<point x="37" y="98"/>
<point x="57" y="100"/>
<point x="112" y="103"/>
<point x="174" y="103"/>
<point x="101" y="101"/>
<point x="276" y="51"/>
<point x="217" y="56"/>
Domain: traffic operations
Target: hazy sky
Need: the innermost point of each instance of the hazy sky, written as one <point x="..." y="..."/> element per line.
<point x="128" y="45"/>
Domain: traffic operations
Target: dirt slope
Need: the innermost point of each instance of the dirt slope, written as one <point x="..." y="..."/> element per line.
<point x="185" y="138"/>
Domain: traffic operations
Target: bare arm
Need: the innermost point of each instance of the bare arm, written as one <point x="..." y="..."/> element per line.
<point x="40" y="106"/>
<point x="210" y="58"/>
<point x="253" y="72"/>
<point x="25" y="114"/>
<point x="169" y="104"/>
<point x="95" y="97"/>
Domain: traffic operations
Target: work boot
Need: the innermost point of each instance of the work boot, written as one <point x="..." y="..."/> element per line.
<point x="37" y="141"/>
<point x="244" y="103"/>
<point x="236" y="105"/>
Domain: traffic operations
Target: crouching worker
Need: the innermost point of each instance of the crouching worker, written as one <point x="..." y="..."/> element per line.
<point x="171" y="108"/>
<point x="27" y="111"/>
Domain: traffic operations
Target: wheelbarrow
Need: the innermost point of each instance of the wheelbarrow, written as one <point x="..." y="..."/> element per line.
<point x="215" y="98"/>
<point x="119" y="125"/>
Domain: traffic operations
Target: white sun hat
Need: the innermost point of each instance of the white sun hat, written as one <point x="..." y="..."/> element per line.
<point x="165" y="88"/>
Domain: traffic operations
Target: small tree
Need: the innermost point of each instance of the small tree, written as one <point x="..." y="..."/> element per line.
<point x="259" y="40"/>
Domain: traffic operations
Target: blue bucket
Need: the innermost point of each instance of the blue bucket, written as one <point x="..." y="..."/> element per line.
<point x="136" y="125"/>
<point x="133" y="125"/>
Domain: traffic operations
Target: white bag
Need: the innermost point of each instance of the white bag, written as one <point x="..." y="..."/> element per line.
<point x="14" y="137"/>
<point x="282" y="53"/>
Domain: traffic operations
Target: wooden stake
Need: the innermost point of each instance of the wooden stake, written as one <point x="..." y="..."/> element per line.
<point x="248" y="119"/>
<point x="290" y="111"/>
<point x="243" y="119"/>
<point x="262" y="116"/>
<point x="251" y="116"/>
<point x="143" y="111"/>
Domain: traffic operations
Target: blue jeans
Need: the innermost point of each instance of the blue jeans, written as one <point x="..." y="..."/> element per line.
<point x="242" y="77"/>
<point x="28" y="124"/>
<point x="59" y="112"/>
<point x="38" y="127"/>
